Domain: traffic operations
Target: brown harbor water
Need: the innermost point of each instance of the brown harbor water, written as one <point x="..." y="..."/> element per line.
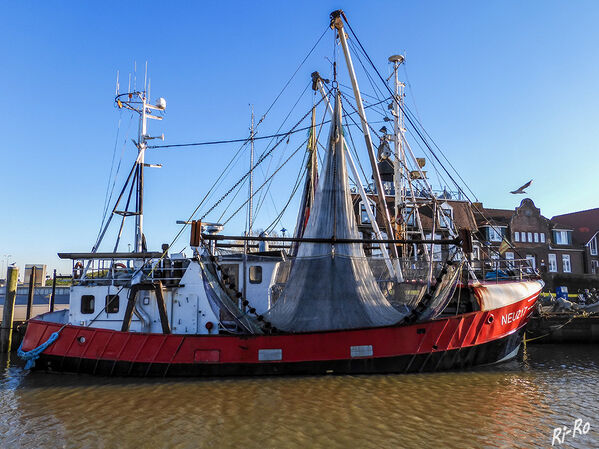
<point x="517" y="404"/>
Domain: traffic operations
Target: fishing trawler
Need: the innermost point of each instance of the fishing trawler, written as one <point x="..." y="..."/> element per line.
<point x="318" y="304"/>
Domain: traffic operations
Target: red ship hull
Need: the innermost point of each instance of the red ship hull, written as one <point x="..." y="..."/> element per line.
<point x="456" y="342"/>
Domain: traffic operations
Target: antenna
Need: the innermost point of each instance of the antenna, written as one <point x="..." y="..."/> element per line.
<point x="129" y="85"/>
<point x="146" y="76"/>
<point x="251" y="193"/>
<point x="149" y="86"/>
<point x="134" y="75"/>
<point x="117" y="83"/>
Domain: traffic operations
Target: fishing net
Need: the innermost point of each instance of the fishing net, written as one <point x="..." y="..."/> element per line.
<point x="331" y="286"/>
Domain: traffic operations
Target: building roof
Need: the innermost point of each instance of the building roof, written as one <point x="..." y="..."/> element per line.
<point x="462" y="215"/>
<point x="584" y="223"/>
<point x="499" y="217"/>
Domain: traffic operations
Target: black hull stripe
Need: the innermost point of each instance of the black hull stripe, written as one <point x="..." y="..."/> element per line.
<point x="455" y="359"/>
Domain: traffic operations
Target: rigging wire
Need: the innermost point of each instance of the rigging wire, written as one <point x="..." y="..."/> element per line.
<point x="353" y="147"/>
<point x="300" y="175"/>
<point x="262" y="197"/>
<point x="298" y="182"/>
<point x="108" y="197"/>
<point x="247" y="139"/>
<point x="292" y="76"/>
<point x="409" y="117"/>
<point x="413" y="120"/>
<point x="259" y="162"/>
<point x="268" y="180"/>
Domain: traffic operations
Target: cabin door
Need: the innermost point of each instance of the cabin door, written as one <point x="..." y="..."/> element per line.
<point x="185" y="313"/>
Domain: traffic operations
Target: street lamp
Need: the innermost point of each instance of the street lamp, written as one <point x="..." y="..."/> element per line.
<point x="5" y="266"/>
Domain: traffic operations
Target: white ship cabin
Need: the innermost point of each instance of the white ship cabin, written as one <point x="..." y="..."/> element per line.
<point x="102" y="286"/>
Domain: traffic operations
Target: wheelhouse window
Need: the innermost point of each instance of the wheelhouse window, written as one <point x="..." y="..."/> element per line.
<point x="87" y="304"/>
<point x="562" y="237"/>
<point x="112" y="303"/>
<point x="567" y="266"/>
<point x="552" y="263"/>
<point x="255" y="274"/>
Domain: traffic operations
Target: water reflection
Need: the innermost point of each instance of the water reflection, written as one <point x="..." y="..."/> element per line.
<point x="514" y="405"/>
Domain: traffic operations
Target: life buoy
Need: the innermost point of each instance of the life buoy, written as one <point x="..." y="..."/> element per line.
<point x="120" y="265"/>
<point x="78" y="270"/>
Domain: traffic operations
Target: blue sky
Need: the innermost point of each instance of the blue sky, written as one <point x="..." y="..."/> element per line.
<point x="507" y="89"/>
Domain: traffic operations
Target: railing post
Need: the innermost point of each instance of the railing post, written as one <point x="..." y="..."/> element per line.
<point x="52" y="297"/>
<point x="31" y="292"/>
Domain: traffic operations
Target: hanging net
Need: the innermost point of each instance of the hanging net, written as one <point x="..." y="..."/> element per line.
<point x="331" y="286"/>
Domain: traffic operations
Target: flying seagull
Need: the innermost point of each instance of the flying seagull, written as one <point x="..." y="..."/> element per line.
<point x="521" y="189"/>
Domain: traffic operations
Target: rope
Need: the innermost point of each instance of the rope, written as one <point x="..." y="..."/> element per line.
<point x="31" y="356"/>
<point x="526" y="340"/>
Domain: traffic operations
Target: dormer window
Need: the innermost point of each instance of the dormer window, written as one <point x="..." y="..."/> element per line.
<point x="562" y="237"/>
<point x="446" y="216"/>
<point x="593" y="246"/>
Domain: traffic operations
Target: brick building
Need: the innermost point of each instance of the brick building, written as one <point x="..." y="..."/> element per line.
<point x="585" y="235"/>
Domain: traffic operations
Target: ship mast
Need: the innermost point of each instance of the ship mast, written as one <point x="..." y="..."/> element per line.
<point x="145" y="113"/>
<point x="400" y="157"/>
<point x="135" y="101"/>
<point x="337" y="23"/>
<point x="141" y="148"/>
<point x="251" y="188"/>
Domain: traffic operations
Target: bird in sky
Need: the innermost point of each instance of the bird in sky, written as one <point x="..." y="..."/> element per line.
<point x="521" y="189"/>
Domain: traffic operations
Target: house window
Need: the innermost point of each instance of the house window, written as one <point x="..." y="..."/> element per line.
<point x="87" y="304"/>
<point x="530" y="237"/>
<point x="495" y="234"/>
<point x="475" y="253"/>
<point x="437" y="250"/>
<point x="364" y="213"/>
<point x="112" y="303"/>
<point x="509" y="256"/>
<point x="552" y="263"/>
<point x="566" y="263"/>
<point x="531" y="260"/>
<point x="595" y="266"/>
<point x="593" y="246"/>
<point x="523" y="236"/>
<point x="562" y="237"/>
<point x="516" y="236"/>
<point x="255" y="274"/>
<point x="542" y="235"/>
<point x="536" y="237"/>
